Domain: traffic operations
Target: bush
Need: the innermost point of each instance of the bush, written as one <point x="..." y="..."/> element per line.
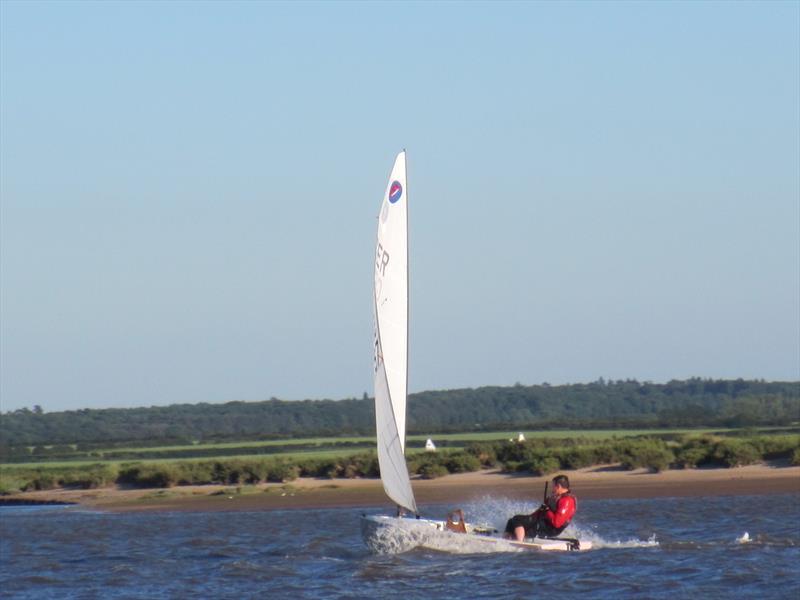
<point x="461" y="462"/>
<point x="44" y="481"/>
<point x="361" y="465"/>
<point x="432" y="471"/>
<point x="485" y="453"/>
<point x="230" y="472"/>
<point x="688" y="458"/>
<point x="695" y="452"/>
<point x="606" y="453"/>
<point x="148" y="475"/>
<point x="329" y="469"/>
<point x="417" y="462"/>
<point x="522" y="451"/>
<point x="94" y="477"/>
<point x="735" y="453"/>
<point x="541" y="465"/>
<point x="775" y="446"/>
<point x="795" y="459"/>
<point x="536" y="456"/>
<point x="578" y="458"/>
<point x="282" y="472"/>
<point x="311" y="467"/>
<point x="308" y="467"/>
<point x="255" y="471"/>
<point x="645" y="452"/>
<point x="195" y="473"/>
<point x="510" y="451"/>
<point x="11" y="485"/>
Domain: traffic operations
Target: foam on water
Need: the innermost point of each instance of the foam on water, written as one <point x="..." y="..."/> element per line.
<point x="599" y="542"/>
<point x="394" y="536"/>
<point x="494" y="512"/>
<point x="745" y="539"/>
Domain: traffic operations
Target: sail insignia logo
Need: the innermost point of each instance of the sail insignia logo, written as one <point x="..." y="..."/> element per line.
<point x="395" y="191"/>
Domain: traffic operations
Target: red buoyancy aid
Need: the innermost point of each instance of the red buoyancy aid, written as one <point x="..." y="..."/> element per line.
<point x="561" y="514"/>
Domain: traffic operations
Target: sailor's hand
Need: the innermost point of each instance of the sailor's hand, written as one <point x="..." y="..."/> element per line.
<point x="543" y="508"/>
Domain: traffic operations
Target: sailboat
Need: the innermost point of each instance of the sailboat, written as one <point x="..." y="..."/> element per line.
<point x="406" y="529"/>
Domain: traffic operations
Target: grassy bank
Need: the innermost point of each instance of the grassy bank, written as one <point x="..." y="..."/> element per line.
<point x="539" y="455"/>
<point x="83" y="454"/>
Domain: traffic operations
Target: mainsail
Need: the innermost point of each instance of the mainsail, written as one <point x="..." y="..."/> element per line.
<point x="391" y="337"/>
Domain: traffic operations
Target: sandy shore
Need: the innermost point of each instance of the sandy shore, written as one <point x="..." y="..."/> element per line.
<point x="591" y="483"/>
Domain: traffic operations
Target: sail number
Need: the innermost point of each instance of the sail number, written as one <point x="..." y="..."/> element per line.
<point x="376" y="359"/>
<point x="381" y="260"/>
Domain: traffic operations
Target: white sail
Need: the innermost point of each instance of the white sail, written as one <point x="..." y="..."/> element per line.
<point x="391" y="337"/>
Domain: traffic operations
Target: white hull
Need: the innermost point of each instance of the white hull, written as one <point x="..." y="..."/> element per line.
<point x="392" y="535"/>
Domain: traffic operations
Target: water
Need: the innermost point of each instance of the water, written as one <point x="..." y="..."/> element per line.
<point x="655" y="548"/>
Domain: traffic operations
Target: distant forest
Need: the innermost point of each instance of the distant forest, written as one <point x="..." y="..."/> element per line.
<point x="602" y="404"/>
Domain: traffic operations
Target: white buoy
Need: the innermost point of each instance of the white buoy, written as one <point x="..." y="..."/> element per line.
<point x="430" y="446"/>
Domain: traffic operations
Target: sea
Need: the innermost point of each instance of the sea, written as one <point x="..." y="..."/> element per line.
<point x="705" y="547"/>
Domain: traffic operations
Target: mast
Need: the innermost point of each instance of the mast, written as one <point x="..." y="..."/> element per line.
<point x="408" y="309"/>
<point x="408" y="288"/>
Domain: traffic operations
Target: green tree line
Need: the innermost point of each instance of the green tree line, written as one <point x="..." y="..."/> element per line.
<point x="601" y="404"/>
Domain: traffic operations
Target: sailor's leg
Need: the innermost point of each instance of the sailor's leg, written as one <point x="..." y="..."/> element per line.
<point x="520" y="525"/>
<point x="514" y="523"/>
<point x="509" y="532"/>
<point x="519" y="533"/>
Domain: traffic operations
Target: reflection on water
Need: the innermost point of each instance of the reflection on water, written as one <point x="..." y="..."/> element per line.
<point x="654" y="548"/>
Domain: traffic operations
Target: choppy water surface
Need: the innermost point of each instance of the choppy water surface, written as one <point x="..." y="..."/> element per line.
<point x="656" y="548"/>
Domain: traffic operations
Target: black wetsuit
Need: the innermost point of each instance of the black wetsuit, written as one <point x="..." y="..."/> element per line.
<point x="536" y="524"/>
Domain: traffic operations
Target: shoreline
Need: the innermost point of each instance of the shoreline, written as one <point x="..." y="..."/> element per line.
<point x="598" y="482"/>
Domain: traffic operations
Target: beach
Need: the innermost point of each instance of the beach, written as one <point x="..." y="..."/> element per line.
<point x="599" y="482"/>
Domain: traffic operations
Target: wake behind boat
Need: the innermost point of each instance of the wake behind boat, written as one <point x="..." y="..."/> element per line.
<point x="396" y="533"/>
<point x="386" y="534"/>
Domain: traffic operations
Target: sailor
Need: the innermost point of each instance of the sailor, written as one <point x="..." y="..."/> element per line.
<point x="550" y="519"/>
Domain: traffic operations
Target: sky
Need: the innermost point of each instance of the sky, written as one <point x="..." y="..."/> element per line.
<point x="189" y="193"/>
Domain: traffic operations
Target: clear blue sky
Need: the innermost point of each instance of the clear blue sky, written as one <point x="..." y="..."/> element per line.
<point x="189" y="194"/>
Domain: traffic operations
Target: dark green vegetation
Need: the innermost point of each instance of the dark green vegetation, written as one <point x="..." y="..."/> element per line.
<point x="602" y="404"/>
<point x="241" y="442"/>
<point x="656" y="453"/>
<point x="538" y="456"/>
